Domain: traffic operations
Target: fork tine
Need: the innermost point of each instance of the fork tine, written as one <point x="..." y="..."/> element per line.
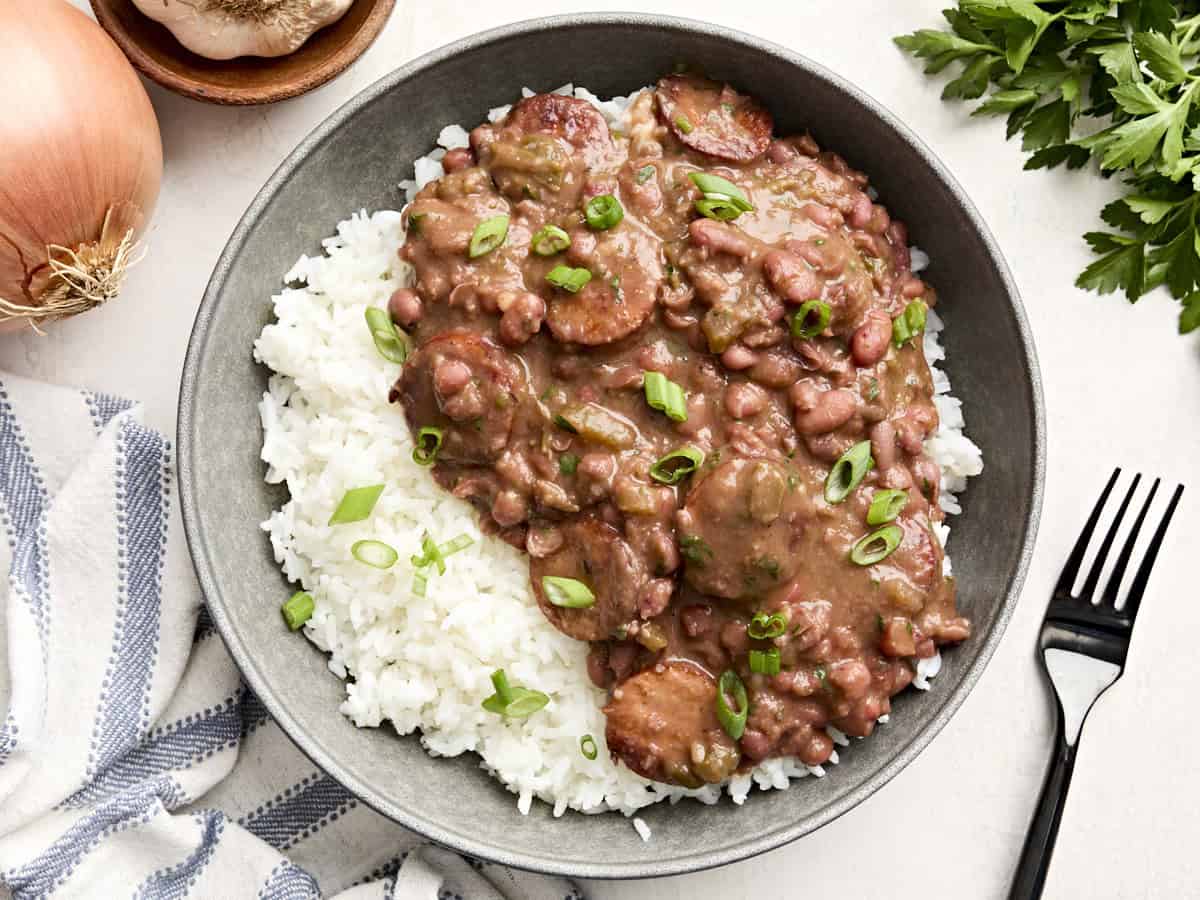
<point x="1067" y="579"/>
<point x="1143" y="573"/>
<point x="1114" y="581"/>
<point x="1093" y="578"/>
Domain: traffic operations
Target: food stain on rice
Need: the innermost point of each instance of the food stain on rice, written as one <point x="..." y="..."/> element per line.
<point x="424" y="663"/>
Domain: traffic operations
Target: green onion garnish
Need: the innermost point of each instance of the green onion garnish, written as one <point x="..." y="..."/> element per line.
<point x="665" y="395"/>
<point x="562" y="422"/>
<point x="677" y="465"/>
<point x="811" y="319"/>
<point x="716" y="185"/>
<point x="877" y="545"/>
<point x="356" y="504"/>
<point x="603" y="212"/>
<point x="765" y="662"/>
<point x="374" y="553"/>
<point x="733" y="719"/>
<point x="765" y="628"/>
<point x="390" y="341"/>
<point x="431" y="555"/>
<point x="489" y="234"/>
<point x="909" y="323"/>
<point x="550" y="240"/>
<point x="428" y="443"/>
<point x="682" y="123"/>
<point x="886" y="505"/>
<point x="568" y="463"/>
<point x="420" y="583"/>
<point x="298" y="609"/>
<point x="644" y="174"/>
<point x="848" y="472"/>
<point x="569" y="279"/>
<point x="567" y="592"/>
<point x="587" y="746"/>
<point x="513" y="701"/>
<point x="718" y="206"/>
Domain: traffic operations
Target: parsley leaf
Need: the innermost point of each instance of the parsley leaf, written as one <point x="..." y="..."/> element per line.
<point x="1134" y="65"/>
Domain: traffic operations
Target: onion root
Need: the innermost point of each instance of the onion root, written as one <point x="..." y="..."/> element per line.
<point x="84" y="277"/>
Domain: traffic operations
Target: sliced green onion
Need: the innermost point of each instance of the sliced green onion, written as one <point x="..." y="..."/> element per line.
<point x="567" y="592"/>
<point x="587" y="746"/>
<point x="811" y="319"/>
<point x="454" y="545"/>
<point x="428" y="443"/>
<point x="876" y="546"/>
<point x="695" y="549"/>
<point x="489" y="234"/>
<point x="682" y="123"/>
<point x="715" y="184"/>
<point x="550" y="240"/>
<point x="886" y="505"/>
<point x="603" y="212"/>
<point x="765" y="628"/>
<point x="431" y="555"/>
<point x="765" y="662"/>
<point x="718" y="206"/>
<point x="848" y="472"/>
<point x="644" y="174"/>
<point x="909" y="323"/>
<point x="562" y="422"/>
<point x="677" y="465"/>
<point x="390" y="341"/>
<point x="298" y="609"/>
<point x="733" y="719"/>
<point x="569" y="279"/>
<point x="356" y="504"/>
<point x="665" y="395"/>
<point x="568" y="463"/>
<point x="374" y="553"/>
<point x="420" y="583"/>
<point x="512" y="701"/>
<point x="526" y="703"/>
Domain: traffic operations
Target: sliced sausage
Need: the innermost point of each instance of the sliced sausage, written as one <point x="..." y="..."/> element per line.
<point x="468" y="387"/>
<point x="713" y="118"/>
<point x="662" y="723"/>
<point x="575" y="121"/>
<point x="595" y="553"/>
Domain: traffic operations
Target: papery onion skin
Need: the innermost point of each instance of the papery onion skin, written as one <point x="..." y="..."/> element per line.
<point x="79" y="147"/>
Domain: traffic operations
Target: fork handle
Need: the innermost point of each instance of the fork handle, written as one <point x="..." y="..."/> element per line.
<point x="1043" y="830"/>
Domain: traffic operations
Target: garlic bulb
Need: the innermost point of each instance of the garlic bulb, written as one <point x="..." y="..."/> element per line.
<point x="224" y="29"/>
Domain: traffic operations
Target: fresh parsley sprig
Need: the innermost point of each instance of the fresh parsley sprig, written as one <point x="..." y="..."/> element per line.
<point x="1115" y="81"/>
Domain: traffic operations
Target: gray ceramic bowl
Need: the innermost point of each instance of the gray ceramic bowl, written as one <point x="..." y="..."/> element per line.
<point x="354" y="160"/>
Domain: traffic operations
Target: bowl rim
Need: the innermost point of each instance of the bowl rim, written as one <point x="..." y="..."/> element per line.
<point x="308" y="80"/>
<point x="243" y="655"/>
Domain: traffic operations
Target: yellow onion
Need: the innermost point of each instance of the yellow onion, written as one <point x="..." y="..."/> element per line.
<point x="80" y="163"/>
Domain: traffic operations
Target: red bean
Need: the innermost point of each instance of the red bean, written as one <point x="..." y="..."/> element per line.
<point x="510" y="508"/>
<point x="775" y="370"/>
<point x="738" y="357"/>
<point x="780" y="152"/>
<point x="870" y="340"/>
<point x="745" y="399"/>
<point x="522" y="319"/>
<point x="825" y="216"/>
<point x="718" y="237"/>
<point x="697" y="619"/>
<point x="404" y="306"/>
<point x="655" y="597"/>
<point x="833" y="409"/>
<point x="458" y="158"/>
<point x="860" y="213"/>
<point x="450" y="376"/>
<point x="790" y="278"/>
<point x="851" y="676"/>
<point x="883" y="445"/>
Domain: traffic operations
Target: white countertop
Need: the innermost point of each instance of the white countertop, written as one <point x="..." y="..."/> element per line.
<point x="1121" y="388"/>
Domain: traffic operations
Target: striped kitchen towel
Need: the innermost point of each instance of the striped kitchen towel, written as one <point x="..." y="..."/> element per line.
<point x="133" y="761"/>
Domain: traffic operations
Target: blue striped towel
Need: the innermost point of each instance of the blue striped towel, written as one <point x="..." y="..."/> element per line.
<point x="133" y="761"/>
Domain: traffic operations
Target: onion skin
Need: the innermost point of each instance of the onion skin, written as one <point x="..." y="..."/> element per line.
<point x="79" y="146"/>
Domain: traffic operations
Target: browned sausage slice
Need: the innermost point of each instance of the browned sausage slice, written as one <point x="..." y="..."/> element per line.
<point x="575" y="121"/>
<point x="468" y="387"/>
<point x="714" y="118"/>
<point x="738" y="531"/>
<point x="595" y="553"/>
<point x="662" y="723"/>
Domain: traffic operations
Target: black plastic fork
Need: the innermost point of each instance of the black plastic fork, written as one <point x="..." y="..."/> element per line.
<point x="1083" y="644"/>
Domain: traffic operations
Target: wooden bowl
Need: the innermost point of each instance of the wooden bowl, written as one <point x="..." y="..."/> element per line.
<point x="247" y="80"/>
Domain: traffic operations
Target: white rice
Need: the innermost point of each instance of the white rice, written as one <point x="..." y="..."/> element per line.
<point x="424" y="663"/>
